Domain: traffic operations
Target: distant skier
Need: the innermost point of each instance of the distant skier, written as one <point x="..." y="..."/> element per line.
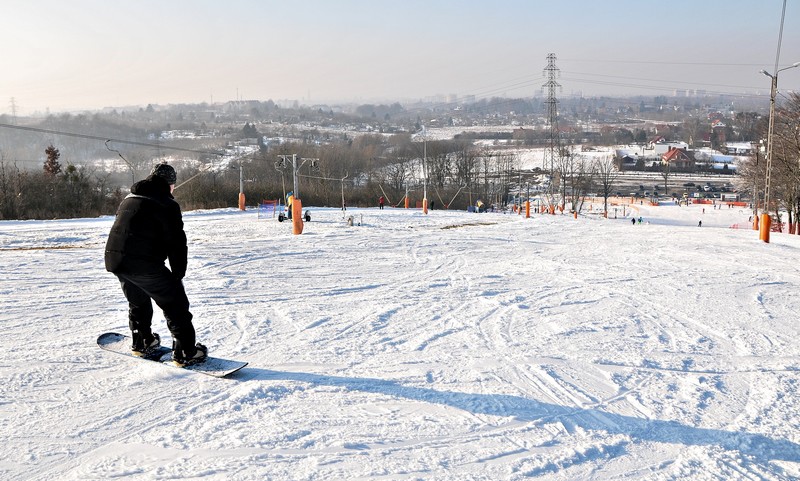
<point x="380" y="202"/>
<point x="147" y="231"/>
<point x="700" y="224"/>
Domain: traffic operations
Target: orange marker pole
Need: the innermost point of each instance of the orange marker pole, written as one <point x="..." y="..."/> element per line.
<point x="297" y="216"/>
<point x="763" y="233"/>
<point x="527" y="209"/>
<point x="241" y="201"/>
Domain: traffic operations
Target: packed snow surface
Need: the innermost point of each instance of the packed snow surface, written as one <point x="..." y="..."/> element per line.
<point x="446" y="346"/>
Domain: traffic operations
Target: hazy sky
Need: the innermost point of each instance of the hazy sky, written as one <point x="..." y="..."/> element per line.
<point x="87" y="54"/>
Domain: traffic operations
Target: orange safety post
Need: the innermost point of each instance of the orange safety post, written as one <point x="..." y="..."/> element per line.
<point x="575" y="213"/>
<point x="424" y="206"/>
<point x="765" y="225"/>
<point x="527" y="209"/>
<point x="241" y="201"/>
<point x="297" y="216"/>
<point x="406" y="202"/>
<point x="755" y="223"/>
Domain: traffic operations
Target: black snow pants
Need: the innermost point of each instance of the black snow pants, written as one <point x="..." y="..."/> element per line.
<point x="168" y="293"/>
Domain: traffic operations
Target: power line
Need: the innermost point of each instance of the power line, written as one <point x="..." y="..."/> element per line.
<point x="653" y="87"/>
<point x="107" y="139"/>
<point x="652" y="80"/>
<point x="662" y="62"/>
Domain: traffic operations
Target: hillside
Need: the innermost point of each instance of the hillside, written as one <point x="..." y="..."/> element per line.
<point x="450" y="346"/>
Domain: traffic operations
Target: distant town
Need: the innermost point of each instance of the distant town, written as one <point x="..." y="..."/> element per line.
<point x="454" y="150"/>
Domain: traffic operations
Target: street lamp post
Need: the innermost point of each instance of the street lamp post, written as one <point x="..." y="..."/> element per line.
<point x="765" y="218"/>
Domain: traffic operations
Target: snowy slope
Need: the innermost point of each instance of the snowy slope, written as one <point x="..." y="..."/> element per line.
<point x="450" y="346"/>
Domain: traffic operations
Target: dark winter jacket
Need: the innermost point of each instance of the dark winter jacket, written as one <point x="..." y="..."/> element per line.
<point x="147" y="231"/>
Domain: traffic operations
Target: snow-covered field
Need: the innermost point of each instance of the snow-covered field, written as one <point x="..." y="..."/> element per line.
<point x="451" y="346"/>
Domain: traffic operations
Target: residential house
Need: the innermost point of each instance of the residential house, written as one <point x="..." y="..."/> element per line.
<point x="678" y="158"/>
<point x="665" y="146"/>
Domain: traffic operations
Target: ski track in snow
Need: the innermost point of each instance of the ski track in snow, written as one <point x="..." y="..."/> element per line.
<point x="447" y="346"/>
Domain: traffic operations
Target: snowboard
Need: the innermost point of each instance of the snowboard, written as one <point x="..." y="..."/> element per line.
<point x="212" y="366"/>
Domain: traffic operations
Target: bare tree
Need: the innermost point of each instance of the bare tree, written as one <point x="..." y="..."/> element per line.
<point x="465" y="164"/>
<point x="785" y="175"/>
<point x="665" y="173"/>
<point x="578" y="176"/>
<point x="785" y="165"/>
<point x="607" y="174"/>
<point x="693" y="130"/>
<point x="10" y="190"/>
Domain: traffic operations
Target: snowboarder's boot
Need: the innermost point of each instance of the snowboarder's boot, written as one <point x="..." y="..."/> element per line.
<point x="142" y="347"/>
<point x="180" y="359"/>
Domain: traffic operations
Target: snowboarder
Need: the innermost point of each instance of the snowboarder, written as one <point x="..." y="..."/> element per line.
<point x="380" y="202"/>
<point x="633" y="221"/>
<point x="147" y="231"/>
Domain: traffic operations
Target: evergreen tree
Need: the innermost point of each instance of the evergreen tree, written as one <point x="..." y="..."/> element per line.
<point x="51" y="165"/>
<point x="249" y="131"/>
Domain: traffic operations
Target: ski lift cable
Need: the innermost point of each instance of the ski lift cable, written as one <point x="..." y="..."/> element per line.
<point x="106" y="140"/>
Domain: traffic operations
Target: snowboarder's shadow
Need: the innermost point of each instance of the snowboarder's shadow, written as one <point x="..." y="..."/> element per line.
<point x="761" y="447"/>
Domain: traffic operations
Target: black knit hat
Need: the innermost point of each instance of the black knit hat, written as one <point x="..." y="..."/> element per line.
<point x="166" y="172"/>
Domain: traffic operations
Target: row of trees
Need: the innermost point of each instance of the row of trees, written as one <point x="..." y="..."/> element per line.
<point x="54" y="192"/>
<point x="455" y="173"/>
<point x="359" y="172"/>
